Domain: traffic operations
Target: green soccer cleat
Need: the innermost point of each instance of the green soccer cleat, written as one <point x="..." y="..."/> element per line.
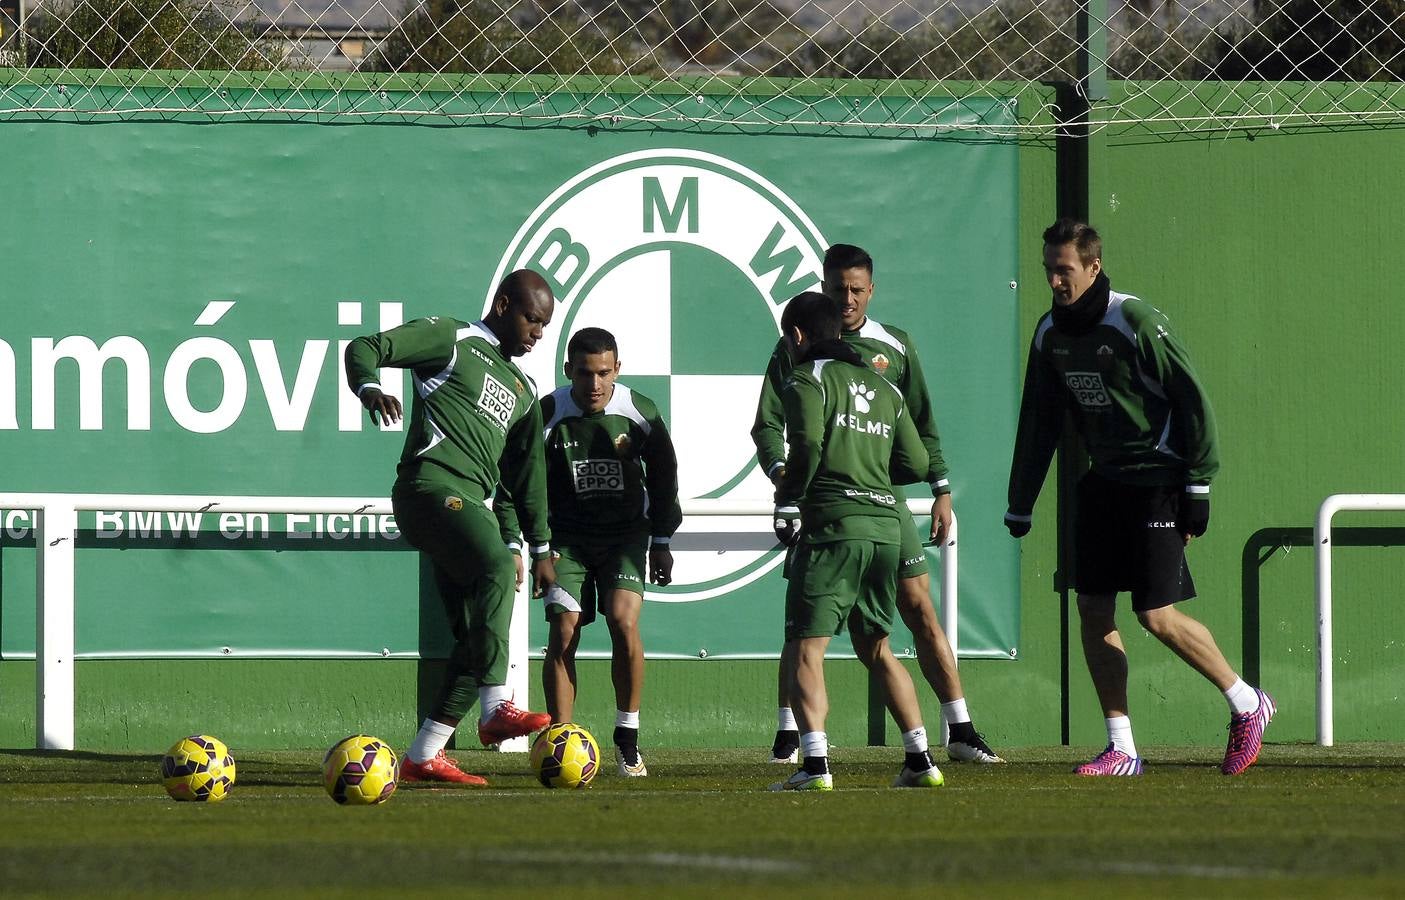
<point x="804" y="781"/>
<point x="928" y="778"/>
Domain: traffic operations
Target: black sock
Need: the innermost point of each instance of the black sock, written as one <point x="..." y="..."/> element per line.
<point x="816" y="765"/>
<point x="627" y="739"/>
<point x="962" y="731"/>
<point x="788" y="741"/>
<point x="920" y="761"/>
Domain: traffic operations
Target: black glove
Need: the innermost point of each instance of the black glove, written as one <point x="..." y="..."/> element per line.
<point x="1018" y="525"/>
<point x="787" y="524"/>
<point x="1194" y="516"/>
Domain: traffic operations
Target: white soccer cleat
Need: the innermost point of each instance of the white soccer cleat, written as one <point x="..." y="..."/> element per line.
<point x="625" y="770"/>
<point x="804" y="781"/>
<point x="973" y="749"/>
<point x="927" y="778"/>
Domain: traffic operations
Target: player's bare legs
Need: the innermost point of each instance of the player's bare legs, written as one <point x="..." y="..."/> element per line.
<point x="934" y="655"/>
<point x="875" y="652"/>
<point x="1191" y="641"/>
<point x="898" y="692"/>
<point x="803" y="658"/>
<point x="937" y="660"/>
<point x="627" y="673"/>
<point x="808" y="695"/>
<point x="627" y="649"/>
<point x="559" y="666"/>
<point x="1103" y="651"/>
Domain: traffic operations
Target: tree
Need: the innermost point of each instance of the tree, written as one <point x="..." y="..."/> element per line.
<point x="479" y="36"/>
<point x="1318" y="40"/>
<point x="143" y="34"/>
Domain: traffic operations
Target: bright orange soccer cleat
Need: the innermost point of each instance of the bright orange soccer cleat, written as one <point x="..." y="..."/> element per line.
<point x="507" y="722"/>
<point x="439" y="768"/>
<point x="1246" y="736"/>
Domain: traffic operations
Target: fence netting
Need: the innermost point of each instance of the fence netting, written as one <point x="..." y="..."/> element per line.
<point x="887" y="66"/>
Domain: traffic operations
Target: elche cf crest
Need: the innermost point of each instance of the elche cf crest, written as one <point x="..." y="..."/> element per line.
<point x="688" y="259"/>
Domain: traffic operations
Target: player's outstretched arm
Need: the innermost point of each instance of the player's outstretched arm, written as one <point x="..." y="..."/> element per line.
<point x="422" y="342"/>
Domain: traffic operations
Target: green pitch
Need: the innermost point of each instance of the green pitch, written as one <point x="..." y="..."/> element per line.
<point x="1304" y="822"/>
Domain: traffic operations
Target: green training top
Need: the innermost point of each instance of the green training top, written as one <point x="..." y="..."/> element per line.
<point x="890" y="352"/>
<point x="612" y="476"/>
<point x="1135" y="401"/>
<point x="850" y="438"/>
<point x="472" y="418"/>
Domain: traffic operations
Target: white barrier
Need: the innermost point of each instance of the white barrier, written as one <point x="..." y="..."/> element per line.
<point x="57" y="522"/>
<point x="1322" y="544"/>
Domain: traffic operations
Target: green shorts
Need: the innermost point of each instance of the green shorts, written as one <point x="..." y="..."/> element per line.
<point x="912" y="555"/>
<point x="586" y="574"/>
<point x="841" y="582"/>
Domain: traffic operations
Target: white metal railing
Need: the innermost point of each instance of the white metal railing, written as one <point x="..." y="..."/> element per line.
<point x="1322" y="544"/>
<point x="57" y="522"/>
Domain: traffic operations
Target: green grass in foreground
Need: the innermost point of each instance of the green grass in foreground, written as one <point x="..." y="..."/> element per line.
<point x="1305" y="821"/>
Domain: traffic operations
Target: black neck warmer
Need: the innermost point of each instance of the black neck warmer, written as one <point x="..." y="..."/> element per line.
<point x="1084" y="314"/>
<point x="833" y="349"/>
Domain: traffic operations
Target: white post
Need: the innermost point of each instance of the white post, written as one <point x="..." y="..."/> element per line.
<point x="53" y="541"/>
<point x="517" y="648"/>
<point x="949" y="607"/>
<point x="1322" y="544"/>
<point x="1322" y="554"/>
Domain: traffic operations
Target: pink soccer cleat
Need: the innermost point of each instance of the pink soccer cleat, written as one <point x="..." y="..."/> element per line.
<point x="507" y="722"/>
<point x="439" y="768"/>
<point x="1111" y="762"/>
<point x="1246" y="736"/>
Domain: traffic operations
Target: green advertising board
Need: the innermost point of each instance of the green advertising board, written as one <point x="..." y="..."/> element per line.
<point x="176" y="298"/>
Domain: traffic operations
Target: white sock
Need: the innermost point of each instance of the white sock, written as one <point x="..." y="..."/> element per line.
<point x="433" y="737"/>
<point x="490" y="697"/>
<point x="814" y="743"/>
<point x="1241" y="697"/>
<point x="785" y="719"/>
<point x="627" y="719"/>
<point x="954" y="713"/>
<point x="1119" y="734"/>
<point x="915" y="741"/>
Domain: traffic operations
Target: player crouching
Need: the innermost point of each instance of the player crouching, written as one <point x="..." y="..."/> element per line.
<point x="612" y="498"/>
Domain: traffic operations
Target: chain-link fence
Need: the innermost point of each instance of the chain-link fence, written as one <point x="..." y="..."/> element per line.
<point x="895" y="66"/>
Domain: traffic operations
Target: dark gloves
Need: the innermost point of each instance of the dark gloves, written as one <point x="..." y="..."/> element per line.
<point x="1194" y="516"/>
<point x="787" y="524"/>
<point x="1018" y="525"/>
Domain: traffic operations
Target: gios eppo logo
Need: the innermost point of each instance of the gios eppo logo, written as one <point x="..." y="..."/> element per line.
<point x="687" y="258"/>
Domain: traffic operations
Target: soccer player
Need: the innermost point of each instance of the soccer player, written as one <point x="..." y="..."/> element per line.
<point x="850" y="435"/>
<point x="612" y="489"/>
<point x="848" y="278"/>
<point x="474" y="422"/>
<point x="1111" y="360"/>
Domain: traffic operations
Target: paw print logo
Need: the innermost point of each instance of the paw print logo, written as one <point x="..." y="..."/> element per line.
<point x="862" y="394"/>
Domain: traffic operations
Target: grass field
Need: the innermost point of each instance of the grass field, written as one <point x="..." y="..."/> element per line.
<point x="1305" y="821"/>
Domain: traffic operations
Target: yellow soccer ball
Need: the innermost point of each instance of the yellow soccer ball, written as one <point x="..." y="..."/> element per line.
<point x="565" y="756"/>
<point x="198" y="768"/>
<point x="360" y="771"/>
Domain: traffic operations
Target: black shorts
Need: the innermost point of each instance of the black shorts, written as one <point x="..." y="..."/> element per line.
<point x="1128" y="541"/>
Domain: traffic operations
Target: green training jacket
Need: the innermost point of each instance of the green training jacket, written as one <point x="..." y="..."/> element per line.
<point x="473" y="416"/>
<point x="850" y="437"/>
<point x="611" y="476"/>
<point x="1134" y="397"/>
<point x="889" y="351"/>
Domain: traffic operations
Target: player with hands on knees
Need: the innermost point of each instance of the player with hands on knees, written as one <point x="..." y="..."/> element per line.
<point x="612" y="491"/>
